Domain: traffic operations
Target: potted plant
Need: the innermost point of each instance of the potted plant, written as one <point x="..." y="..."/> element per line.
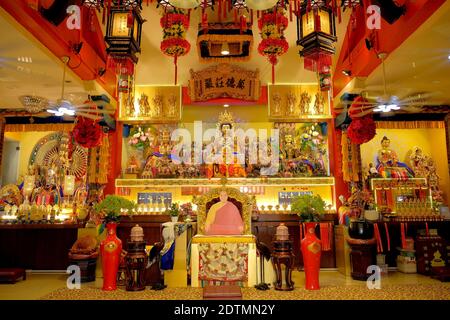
<point x="111" y="209"/>
<point x="174" y="212"/>
<point x="309" y="208"/>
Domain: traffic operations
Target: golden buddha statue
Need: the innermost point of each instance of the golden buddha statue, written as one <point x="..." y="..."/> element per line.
<point x="388" y="165"/>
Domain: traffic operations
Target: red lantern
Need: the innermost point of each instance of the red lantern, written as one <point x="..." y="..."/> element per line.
<point x="273" y="44"/>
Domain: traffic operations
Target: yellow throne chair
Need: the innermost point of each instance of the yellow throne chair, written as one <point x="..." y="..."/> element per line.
<point x="223" y="259"/>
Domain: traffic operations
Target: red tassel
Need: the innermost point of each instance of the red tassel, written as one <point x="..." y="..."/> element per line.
<point x="176" y="68"/>
<point x="251" y="16"/>
<point x="273" y="73"/>
<point x="301" y="234"/>
<point x="243" y="24"/>
<point x="317" y="26"/>
<point x="219" y="11"/>
<point x="235" y="16"/>
<point x="426" y="227"/>
<point x="130" y="20"/>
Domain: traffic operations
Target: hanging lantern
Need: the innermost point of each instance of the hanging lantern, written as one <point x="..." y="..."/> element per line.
<point x="174" y="44"/>
<point x="273" y="43"/>
<point x="316" y="33"/>
<point x="165" y="4"/>
<point x="185" y="4"/>
<point x="130" y="4"/>
<point x="261" y="4"/>
<point x="123" y="32"/>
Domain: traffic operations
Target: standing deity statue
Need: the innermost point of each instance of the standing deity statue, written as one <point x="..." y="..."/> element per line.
<point x="144" y="106"/>
<point x="305" y="100"/>
<point x="319" y="104"/>
<point x="158" y="106"/>
<point x="291" y="100"/>
<point x="276" y="104"/>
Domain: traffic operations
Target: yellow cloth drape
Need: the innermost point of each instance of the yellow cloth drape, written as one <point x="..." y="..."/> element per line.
<point x="212" y="213"/>
<point x="410" y="124"/>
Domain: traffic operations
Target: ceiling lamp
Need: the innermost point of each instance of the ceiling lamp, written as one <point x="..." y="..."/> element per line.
<point x="350" y="4"/>
<point x="33" y="104"/>
<point x="123" y="31"/>
<point x="386" y="108"/>
<point x="225" y="49"/>
<point x="261" y="4"/>
<point x="185" y="4"/>
<point x="224" y="42"/>
<point x="129" y="3"/>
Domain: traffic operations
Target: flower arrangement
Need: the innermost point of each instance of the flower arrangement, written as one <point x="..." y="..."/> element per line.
<point x="186" y="209"/>
<point x="113" y="207"/>
<point x="87" y="133"/>
<point x="308" y="207"/>
<point x="141" y="138"/>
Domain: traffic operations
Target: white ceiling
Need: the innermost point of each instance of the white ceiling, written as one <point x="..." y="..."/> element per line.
<point x="420" y="64"/>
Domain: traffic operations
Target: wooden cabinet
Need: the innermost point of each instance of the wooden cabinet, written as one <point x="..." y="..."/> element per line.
<point x="36" y="246"/>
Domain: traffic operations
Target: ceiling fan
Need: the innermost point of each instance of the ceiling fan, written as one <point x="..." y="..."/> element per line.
<point x="64" y="107"/>
<point x="385" y="103"/>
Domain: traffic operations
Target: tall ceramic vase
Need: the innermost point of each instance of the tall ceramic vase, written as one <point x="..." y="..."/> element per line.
<point x="311" y="247"/>
<point x="111" y="249"/>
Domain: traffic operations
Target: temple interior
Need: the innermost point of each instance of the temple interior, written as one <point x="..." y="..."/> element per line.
<point x="224" y="149"/>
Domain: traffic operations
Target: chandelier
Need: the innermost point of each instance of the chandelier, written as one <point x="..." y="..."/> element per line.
<point x="33" y="104"/>
<point x="93" y="4"/>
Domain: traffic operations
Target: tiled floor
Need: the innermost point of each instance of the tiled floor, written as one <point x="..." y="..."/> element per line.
<point x="37" y="284"/>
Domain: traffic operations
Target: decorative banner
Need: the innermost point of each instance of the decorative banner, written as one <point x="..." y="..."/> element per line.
<point x="224" y="80"/>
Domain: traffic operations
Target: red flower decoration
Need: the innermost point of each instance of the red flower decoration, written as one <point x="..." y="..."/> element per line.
<point x="87" y="133"/>
<point x="174" y="18"/>
<point x="175" y="47"/>
<point x="273" y="47"/>
<point x="271" y="18"/>
<point x="361" y="130"/>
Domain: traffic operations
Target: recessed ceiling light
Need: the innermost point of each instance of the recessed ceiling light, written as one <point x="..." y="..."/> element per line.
<point x="448" y="57"/>
<point x="347" y="73"/>
<point x="226" y="105"/>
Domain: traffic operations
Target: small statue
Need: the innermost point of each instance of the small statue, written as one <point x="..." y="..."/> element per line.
<point x="172" y="105"/>
<point x="319" y="104"/>
<point x="158" y="106"/>
<point x="276" y="104"/>
<point x="130" y="106"/>
<point x="291" y="100"/>
<point x="144" y="106"/>
<point x="305" y="100"/>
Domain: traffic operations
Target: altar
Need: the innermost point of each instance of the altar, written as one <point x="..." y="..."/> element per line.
<point x="218" y="260"/>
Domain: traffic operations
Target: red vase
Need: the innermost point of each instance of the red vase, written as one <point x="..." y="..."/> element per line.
<point x="110" y="248"/>
<point x="311" y="250"/>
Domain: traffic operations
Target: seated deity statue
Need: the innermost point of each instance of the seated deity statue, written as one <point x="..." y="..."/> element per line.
<point x="224" y="218"/>
<point x="292" y="161"/>
<point x="388" y="165"/>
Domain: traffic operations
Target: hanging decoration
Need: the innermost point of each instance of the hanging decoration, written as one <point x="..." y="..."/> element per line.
<point x="362" y="129"/>
<point x="87" y="133"/>
<point x="272" y="25"/>
<point x="175" y="25"/>
<point x="99" y="160"/>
